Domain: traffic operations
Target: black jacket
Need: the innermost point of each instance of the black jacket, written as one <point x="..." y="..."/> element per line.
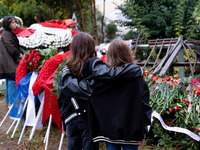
<point x="119" y="111"/>
<point x="94" y="68"/>
<point x="9" y="54"/>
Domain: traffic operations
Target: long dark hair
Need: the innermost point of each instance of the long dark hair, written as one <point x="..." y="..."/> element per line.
<point x="6" y="22"/>
<point x="119" y="53"/>
<point x="82" y="48"/>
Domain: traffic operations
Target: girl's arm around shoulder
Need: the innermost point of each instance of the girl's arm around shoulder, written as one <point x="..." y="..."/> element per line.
<point x="99" y="70"/>
<point x="68" y="85"/>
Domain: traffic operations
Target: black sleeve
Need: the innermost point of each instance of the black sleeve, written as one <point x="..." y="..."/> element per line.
<point x="99" y="70"/>
<point x="146" y="107"/>
<point x="69" y="86"/>
<point x="95" y="69"/>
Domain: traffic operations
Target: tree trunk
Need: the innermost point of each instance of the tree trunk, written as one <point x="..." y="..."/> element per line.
<point x="102" y="19"/>
<point x="79" y="8"/>
<point x="68" y="5"/>
<point x="94" y="23"/>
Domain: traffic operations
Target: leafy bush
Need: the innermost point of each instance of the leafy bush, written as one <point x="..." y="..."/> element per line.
<point x="178" y="103"/>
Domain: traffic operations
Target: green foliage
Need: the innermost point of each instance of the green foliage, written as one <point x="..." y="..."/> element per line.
<point x="130" y="35"/>
<point x="40" y="10"/>
<point x="57" y="76"/>
<point x="4" y="10"/>
<point x="111" y="30"/>
<point x="177" y="101"/>
<point x="45" y="55"/>
<point x="160" y="18"/>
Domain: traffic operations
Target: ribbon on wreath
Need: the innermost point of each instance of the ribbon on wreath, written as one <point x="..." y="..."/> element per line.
<point x="51" y="102"/>
<point x="175" y="129"/>
<point x="20" y="97"/>
<point x="30" y="112"/>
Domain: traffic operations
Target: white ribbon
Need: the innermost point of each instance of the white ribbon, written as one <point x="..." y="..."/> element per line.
<point x="30" y="112"/>
<point x="39" y="120"/>
<point x="175" y="129"/>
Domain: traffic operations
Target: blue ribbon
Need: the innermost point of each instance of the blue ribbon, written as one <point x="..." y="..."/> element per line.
<point x="20" y="97"/>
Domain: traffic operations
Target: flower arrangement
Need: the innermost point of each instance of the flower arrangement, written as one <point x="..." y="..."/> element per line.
<point x="46" y="37"/>
<point x="21" y="71"/>
<point x="178" y="103"/>
<point x="33" y="61"/>
<point x="63" y="24"/>
<point x="19" y="30"/>
<point x="48" y="68"/>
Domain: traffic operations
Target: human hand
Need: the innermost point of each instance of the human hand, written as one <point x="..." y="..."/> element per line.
<point x="17" y="26"/>
<point x="20" y="57"/>
<point x="141" y="142"/>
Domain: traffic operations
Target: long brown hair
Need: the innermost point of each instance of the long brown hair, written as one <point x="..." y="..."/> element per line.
<point x="82" y="48"/>
<point x="119" y="53"/>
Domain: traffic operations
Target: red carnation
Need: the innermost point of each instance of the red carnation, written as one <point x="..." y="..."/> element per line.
<point x="174" y="85"/>
<point x="198" y="90"/>
<point x="191" y="128"/>
<point x="155" y="78"/>
<point x="147" y="73"/>
<point x="38" y="57"/>
<point x="168" y="123"/>
<point x="198" y="130"/>
<point x="171" y="110"/>
<point x="168" y="78"/>
<point x="136" y="51"/>
<point x="178" y="145"/>
<point x="26" y="56"/>
<point x="177" y="108"/>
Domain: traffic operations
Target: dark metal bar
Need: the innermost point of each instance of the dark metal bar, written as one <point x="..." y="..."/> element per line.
<point x="173" y="64"/>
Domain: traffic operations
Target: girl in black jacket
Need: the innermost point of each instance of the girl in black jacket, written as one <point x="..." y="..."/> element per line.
<point x="119" y="111"/>
<point x="84" y="65"/>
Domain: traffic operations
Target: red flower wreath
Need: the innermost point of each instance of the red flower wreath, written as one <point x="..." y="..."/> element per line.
<point x="48" y="68"/>
<point x="31" y="62"/>
<point x="21" y="71"/>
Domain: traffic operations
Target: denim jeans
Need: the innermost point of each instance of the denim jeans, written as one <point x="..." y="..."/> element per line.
<point x="10" y="91"/>
<point x="111" y="146"/>
<point x="78" y="136"/>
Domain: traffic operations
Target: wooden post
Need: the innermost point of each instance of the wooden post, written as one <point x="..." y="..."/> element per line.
<point x="181" y="70"/>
